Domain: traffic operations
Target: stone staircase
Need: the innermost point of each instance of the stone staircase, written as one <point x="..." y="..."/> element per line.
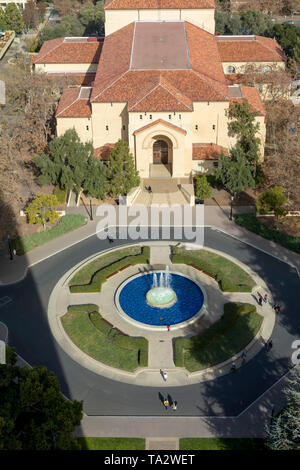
<point x="165" y="191"/>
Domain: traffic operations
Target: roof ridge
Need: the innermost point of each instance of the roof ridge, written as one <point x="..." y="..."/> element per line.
<point x="77" y="99"/>
<point x="51" y="50"/>
<point x="111" y="84"/>
<point x="206" y="78"/>
<point x="147" y="94"/>
<point x="264" y="45"/>
<point x="175" y="95"/>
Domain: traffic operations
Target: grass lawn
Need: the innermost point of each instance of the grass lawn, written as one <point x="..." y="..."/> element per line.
<point x="230" y="335"/>
<point x="103" y="342"/>
<point x="221" y="444"/>
<point x="111" y="443"/>
<point x="231" y="278"/>
<point x="252" y="223"/>
<point x="91" y="277"/>
<point x="66" y="224"/>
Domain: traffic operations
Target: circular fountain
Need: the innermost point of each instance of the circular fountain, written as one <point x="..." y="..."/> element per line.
<point x="160" y="299"/>
<point x="161" y="295"/>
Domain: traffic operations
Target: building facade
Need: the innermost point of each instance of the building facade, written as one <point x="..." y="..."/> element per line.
<point x="159" y="80"/>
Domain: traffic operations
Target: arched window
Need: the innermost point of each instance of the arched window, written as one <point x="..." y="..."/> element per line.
<point x="266" y="68"/>
<point x="230" y="69"/>
<point x="160" y="152"/>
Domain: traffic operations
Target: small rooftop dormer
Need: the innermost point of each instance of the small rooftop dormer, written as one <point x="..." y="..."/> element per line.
<point x="120" y="13"/>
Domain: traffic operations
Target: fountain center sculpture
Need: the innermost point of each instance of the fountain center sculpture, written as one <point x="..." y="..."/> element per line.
<point x="161" y="294"/>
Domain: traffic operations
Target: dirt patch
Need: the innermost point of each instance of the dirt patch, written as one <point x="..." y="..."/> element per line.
<point x="288" y="225"/>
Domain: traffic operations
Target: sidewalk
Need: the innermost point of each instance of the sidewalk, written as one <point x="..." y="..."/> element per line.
<point x="215" y="216"/>
<point x="250" y="423"/>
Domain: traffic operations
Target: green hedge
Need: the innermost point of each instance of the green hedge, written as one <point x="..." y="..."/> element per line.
<point x="127" y="342"/>
<point x="231" y="278"/>
<point x="66" y="224"/>
<point x="94" y="336"/>
<point x="236" y="328"/>
<point x="252" y="223"/>
<point x="101" y="276"/>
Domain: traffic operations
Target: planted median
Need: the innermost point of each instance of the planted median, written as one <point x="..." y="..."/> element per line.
<point x="227" y="337"/>
<point x="100" y="340"/>
<point x="230" y="277"/>
<point x="91" y="277"/>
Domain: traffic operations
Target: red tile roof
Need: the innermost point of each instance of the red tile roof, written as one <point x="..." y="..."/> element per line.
<point x="249" y="49"/>
<point x="103" y="153"/>
<point x="203" y="80"/>
<point x="74" y="103"/>
<point x="252" y="96"/>
<point x="207" y="151"/>
<point x="162" y="97"/>
<point x="69" y="51"/>
<point x="160" y="121"/>
<point x="158" y="4"/>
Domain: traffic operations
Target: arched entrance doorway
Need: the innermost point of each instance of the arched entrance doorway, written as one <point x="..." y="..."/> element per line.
<point x="160" y="152"/>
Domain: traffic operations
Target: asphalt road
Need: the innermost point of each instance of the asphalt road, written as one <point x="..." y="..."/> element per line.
<point x="26" y="318"/>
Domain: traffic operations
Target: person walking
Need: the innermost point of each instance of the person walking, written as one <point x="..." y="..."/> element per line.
<point x="260" y="299"/>
<point x="166" y="404"/>
<point x="174" y="405"/>
<point x="169" y="328"/>
<point x="265" y="298"/>
<point x="270" y="345"/>
<point x="165" y="376"/>
<point x="244" y="355"/>
<point x="233" y="367"/>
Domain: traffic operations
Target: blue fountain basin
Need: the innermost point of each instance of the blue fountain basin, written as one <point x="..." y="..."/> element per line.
<point x="133" y="300"/>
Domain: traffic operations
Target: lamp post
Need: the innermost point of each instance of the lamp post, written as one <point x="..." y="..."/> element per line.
<point x="231" y="202"/>
<point x="91" y="209"/>
<point x="9" y="247"/>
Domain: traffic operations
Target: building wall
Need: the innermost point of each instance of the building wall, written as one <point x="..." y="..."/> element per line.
<point x="113" y="116"/>
<point x="240" y="66"/>
<point x="83" y="68"/>
<point x="117" y="19"/>
<point x="111" y="122"/>
<point x="79" y="124"/>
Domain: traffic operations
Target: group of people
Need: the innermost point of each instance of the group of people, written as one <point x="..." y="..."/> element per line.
<point x="171" y="403"/>
<point x="261" y="299"/>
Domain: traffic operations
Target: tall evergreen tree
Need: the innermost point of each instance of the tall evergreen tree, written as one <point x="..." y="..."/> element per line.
<point x="284" y="431"/>
<point x="234" y="171"/>
<point x="121" y="171"/>
<point x="13" y="18"/>
<point x="242" y="125"/>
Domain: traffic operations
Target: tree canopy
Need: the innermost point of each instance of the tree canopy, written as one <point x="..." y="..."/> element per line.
<point x="34" y="415"/>
<point x="71" y="164"/>
<point x="235" y="172"/>
<point x="121" y="171"/>
<point x="12" y="18"/>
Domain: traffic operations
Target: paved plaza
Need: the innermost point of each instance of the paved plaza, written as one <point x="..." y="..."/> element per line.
<point x="230" y="405"/>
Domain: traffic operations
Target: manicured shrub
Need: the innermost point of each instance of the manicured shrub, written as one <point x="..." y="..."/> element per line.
<point x="101" y="276"/>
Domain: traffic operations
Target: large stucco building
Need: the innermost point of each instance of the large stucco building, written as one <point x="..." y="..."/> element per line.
<point x="160" y="80"/>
